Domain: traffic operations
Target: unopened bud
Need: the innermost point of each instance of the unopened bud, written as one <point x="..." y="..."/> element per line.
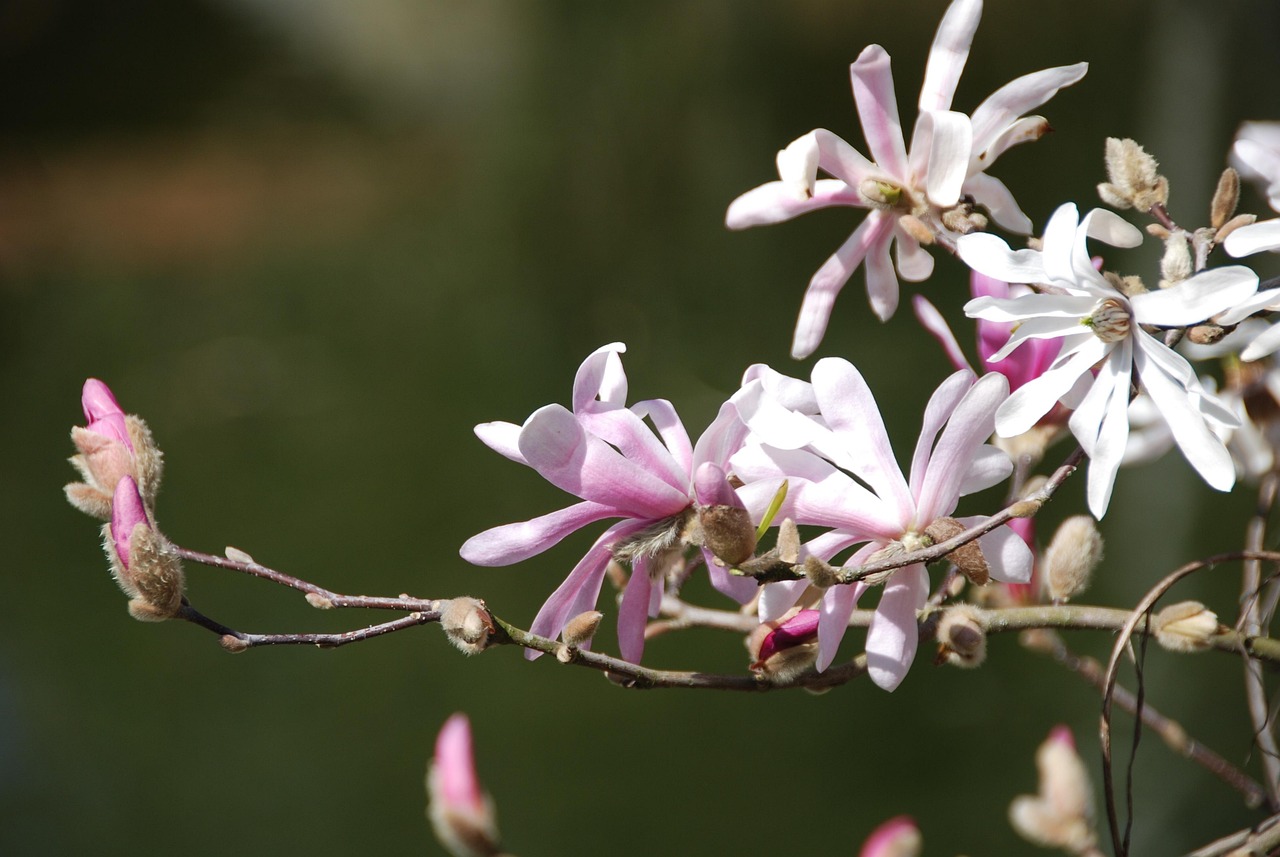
<point x="1232" y="225"/>
<point x="467" y="624"/>
<point x="110" y="446"/>
<point x="821" y="574"/>
<point x="962" y="637"/>
<point x="1061" y="815"/>
<point x="1175" y="265"/>
<point x="1072" y="555"/>
<point x="233" y="644"/>
<point x="144" y="564"/>
<point x="1133" y="176"/>
<point x="318" y="601"/>
<point x="783" y="650"/>
<point x="788" y="546"/>
<point x="579" y="630"/>
<point x="1225" y="198"/>
<point x="897" y="837"/>
<point x="1185" y="627"/>
<point x="726" y="525"/>
<point x="1207" y="333"/>
<point x="461" y="814"/>
<point x="968" y="557"/>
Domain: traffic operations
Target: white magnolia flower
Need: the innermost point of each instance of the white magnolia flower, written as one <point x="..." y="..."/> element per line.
<point x="1256" y="154"/>
<point x="913" y="194"/>
<point x="1103" y="329"/>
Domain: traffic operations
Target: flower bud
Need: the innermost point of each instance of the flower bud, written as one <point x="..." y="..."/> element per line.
<point x="1175" y="264"/>
<point x="461" y="814"/>
<point x="1061" y="815"/>
<point x="726" y="525"/>
<point x="110" y="446"/>
<point x="1133" y="177"/>
<point x="1072" y="555"/>
<point x="783" y="650"/>
<point x="467" y="624"/>
<point x="1225" y="198"/>
<point x="897" y="837"/>
<point x="1185" y="627"/>
<point x="968" y="557"/>
<point x="962" y="637"/>
<point x="144" y="564"/>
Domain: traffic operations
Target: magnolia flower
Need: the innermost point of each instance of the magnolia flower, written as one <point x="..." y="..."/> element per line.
<point x="827" y="461"/>
<point x="1245" y="241"/>
<point x="1103" y="327"/>
<point x="110" y="446"/>
<point x="1256" y="154"/>
<point x="913" y="196"/>
<point x="145" y="566"/>
<point x="604" y="453"/>
<point x="461" y="814"/>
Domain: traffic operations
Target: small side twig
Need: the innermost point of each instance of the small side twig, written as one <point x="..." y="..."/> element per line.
<point x="1261" y="838"/>
<point x="1250" y="624"/>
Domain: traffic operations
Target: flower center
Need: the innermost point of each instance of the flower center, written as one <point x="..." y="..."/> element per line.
<point x="1110" y="320"/>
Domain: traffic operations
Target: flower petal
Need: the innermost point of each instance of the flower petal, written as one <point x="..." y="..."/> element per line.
<point x="503" y="438"/>
<point x="601" y="375"/>
<point x="948" y="54"/>
<point x="893" y="636"/>
<point x="993" y="195"/>
<point x="1254" y="238"/>
<point x="775" y="202"/>
<point x="1018" y="97"/>
<point x="633" y="611"/>
<point x="970" y="425"/>
<point x="1026" y="405"/>
<point x="674" y="437"/>
<point x="512" y="543"/>
<point x="1196" y="299"/>
<point x="878" y="110"/>
<point x="987" y="254"/>
<point x="949" y="145"/>
<point x="1007" y="555"/>
<point x="932" y="321"/>
<point x="939" y="409"/>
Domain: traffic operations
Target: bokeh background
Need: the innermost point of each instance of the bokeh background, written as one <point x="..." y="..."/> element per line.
<point x="314" y="242"/>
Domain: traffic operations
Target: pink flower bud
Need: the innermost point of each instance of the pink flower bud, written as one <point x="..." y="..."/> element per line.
<point x="897" y="837"/>
<point x="127" y="511"/>
<point x="798" y="630"/>
<point x="461" y="814"/>
<point x="103" y="413"/>
<point x="712" y="488"/>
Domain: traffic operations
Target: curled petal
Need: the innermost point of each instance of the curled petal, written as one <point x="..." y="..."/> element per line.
<point x="949" y="145"/>
<point x="815" y="311"/>
<point x="601" y="375"/>
<point x="993" y="195"/>
<point x="503" y="438"/>
<point x="1019" y="97"/>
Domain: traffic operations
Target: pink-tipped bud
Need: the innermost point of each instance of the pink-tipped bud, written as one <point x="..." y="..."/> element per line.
<point x="103" y="413"/>
<point x="144" y="564"/>
<point x="460" y="812"/>
<point x="897" y="837"/>
<point x="1061" y="815"/>
<point x="783" y="650"/>
<point x="111" y="446"/>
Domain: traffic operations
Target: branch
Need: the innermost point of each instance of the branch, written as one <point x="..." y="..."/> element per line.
<point x="1259" y="839"/>
<point x="1251" y="624"/>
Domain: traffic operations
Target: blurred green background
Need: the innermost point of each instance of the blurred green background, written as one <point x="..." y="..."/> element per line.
<point x="314" y="242"/>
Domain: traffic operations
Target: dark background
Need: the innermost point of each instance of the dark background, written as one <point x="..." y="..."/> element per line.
<point x="314" y="243"/>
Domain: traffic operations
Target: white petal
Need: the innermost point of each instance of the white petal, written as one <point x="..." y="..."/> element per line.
<point x="775" y="202"/>
<point x="948" y="53"/>
<point x="1254" y="238"/>
<point x="990" y="466"/>
<point x="1036" y="398"/>
<point x="1008" y="556"/>
<point x="1265" y="343"/>
<point x="993" y="195"/>
<point x="989" y="255"/>
<point x="1195" y="299"/>
<point x="893" y="635"/>
<point x="949" y="147"/>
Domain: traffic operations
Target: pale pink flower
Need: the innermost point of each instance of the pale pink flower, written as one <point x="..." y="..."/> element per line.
<point x="605" y="453"/>
<point x="842" y="474"/>
<point x="947" y="160"/>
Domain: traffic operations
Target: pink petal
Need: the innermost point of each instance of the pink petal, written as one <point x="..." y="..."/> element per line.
<point x="633" y="611"/>
<point x="970" y="425"/>
<point x="1019" y="97"/>
<point x="914" y="262"/>
<point x="665" y="419"/>
<point x="740" y="589"/>
<point x="127" y="512"/>
<point x="932" y="321"/>
<point x="897" y="837"/>
<point x="893" y="636"/>
<point x="993" y="195"/>
<point x="878" y="110"/>
<point x="836" y="608"/>
<point x="512" y="543"/>
<point x="503" y="438"/>
<point x="775" y="202"/>
<point x="601" y="375"/>
<point x="948" y="54"/>
<point x="815" y="311"/>
<point x="98" y="401"/>
<point x="941" y="404"/>
<point x="453" y="767"/>
<point x="882" y="283"/>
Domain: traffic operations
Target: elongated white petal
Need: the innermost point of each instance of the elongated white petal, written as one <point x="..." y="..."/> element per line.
<point x="929" y="317"/>
<point x="775" y="202"/>
<point x="1269" y="299"/>
<point x="1034" y="399"/>
<point x="993" y="195"/>
<point x="1073" y="307"/>
<point x="941" y="405"/>
<point x="989" y="255"/>
<point x="503" y="438"/>
<point x="1265" y="343"/>
<point x="878" y="110"/>
<point x="1037" y="328"/>
<point x="1101" y="425"/>
<point x="601" y="375"/>
<point x="1018" y="97"/>
<point x="893" y="636"/>
<point x="1025" y="130"/>
<point x="950" y="143"/>
<point x="948" y="54"/>
<point x="990" y="466"/>
<point x="1195" y="299"/>
<point x="1254" y="238"/>
<point x="882" y="283"/>
<point x="914" y="262"/>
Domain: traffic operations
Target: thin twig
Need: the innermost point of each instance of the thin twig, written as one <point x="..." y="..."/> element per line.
<point x="1170" y="731"/>
<point x="1261" y="838"/>
<point x="1251" y="624"/>
<point x="1122" y="641"/>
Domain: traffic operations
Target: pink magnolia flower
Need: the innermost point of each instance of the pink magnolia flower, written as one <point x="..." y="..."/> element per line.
<point x="842" y="474"/>
<point x="461" y="813"/>
<point x="604" y="453"/>
<point x="897" y="837"/>
<point x="1025" y="363"/>
<point x="919" y="194"/>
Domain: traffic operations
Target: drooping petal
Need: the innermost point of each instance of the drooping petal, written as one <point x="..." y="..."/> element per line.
<point x="1026" y="405"/>
<point x="1025" y="130"/>
<point x="914" y="262"/>
<point x="835" y="608"/>
<point x="815" y="311"/>
<point x="512" y="543"/>
<point x="882" y="283"/>
<point x="1197" y="298"/>
<point x="633" y="611"/>
<point x="990" y="466"/>
<point x="775" y="202"/>
<point x="878" y="110"/>
<point x="1101" y="424"/>
<point x="987" y="254"/>
<point x="932" y="321"/>
<point x="601" y="375"/>
<point x="740" y="589"/>
<point x="503" y="438"/>
<point x="993" y="195"/>
<point x="556" y="445"/>
<point x="948" y="54"/>
<point x="893" y="636"/>
<point x="970" y="425"/>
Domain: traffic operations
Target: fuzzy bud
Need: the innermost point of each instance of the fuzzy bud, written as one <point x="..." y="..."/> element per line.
<point x="1207" y="333"/>
<point x="461" y="814"/>
<point x="897" y="837"/>
<point x="916" y="228"/>
<point x="233" y="644"/>
<point x="144" y="564"/>
<point x="110" y="446"/>
<point x="467" y="624"/>
<point x="1061" y="815"/>
<point x="726" y="525"/>
<point x="968" y="557"/>
<point x="1185" y="627"/>
<point x="962" y="637"/>
<point x="821" y="574"/>
<point x="783" y="650"/>
<point x="1072" y="555"/>
<point x="1133" y="177"/>
<point x="1175" y="265"/>
<point x="579" y="630"/>
<point x="1225" y="198"/>
<point x="1232" y="225"/>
